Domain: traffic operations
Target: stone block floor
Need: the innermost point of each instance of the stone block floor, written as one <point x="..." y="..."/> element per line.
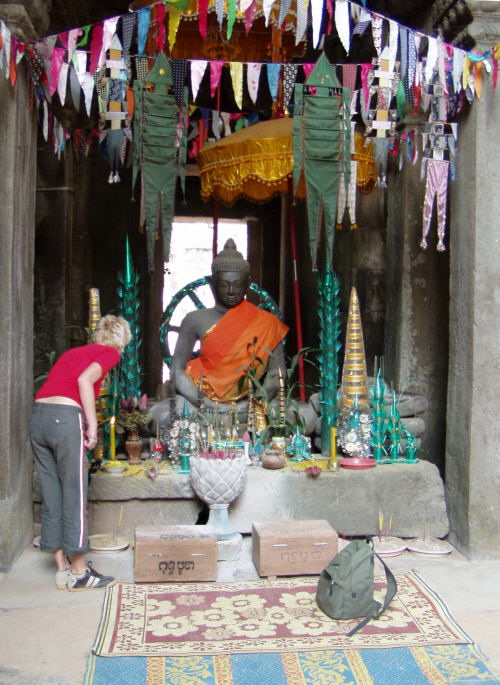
<point x="47" y="634"/>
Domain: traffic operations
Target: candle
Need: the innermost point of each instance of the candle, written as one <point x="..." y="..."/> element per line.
<point x="333" y="447"/>
<point x="281" y="398"/>
<point x="112" y="438"/>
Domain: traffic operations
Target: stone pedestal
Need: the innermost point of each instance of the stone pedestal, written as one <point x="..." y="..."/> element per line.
<point x="412" y="494"/>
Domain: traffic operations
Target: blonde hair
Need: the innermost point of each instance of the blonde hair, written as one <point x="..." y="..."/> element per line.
<point x="112" y="330"/>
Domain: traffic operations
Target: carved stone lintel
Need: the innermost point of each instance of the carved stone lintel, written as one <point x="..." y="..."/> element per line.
<point x="485" y="28"/>
<point x="28" y="20"/>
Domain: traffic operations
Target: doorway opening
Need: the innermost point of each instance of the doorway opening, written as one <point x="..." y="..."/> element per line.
<point x="191" y="259"/>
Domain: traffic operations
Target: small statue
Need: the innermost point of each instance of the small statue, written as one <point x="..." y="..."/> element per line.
<point x="300" y="446"/>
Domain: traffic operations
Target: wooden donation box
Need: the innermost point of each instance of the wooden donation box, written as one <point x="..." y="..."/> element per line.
<point x="292" y="548"/>
<point x="174" y="554"/>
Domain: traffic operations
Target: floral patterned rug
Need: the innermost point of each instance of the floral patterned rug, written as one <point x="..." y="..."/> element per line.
<point x="186" y="619"/>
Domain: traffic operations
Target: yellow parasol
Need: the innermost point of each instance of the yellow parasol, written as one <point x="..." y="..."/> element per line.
<point x="255" y="162"/>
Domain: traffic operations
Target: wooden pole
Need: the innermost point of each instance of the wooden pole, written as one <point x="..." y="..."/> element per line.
<point x="296" y="293"/>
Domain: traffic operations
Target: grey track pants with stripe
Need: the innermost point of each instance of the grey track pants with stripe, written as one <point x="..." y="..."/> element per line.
<point x="56" y="434"/>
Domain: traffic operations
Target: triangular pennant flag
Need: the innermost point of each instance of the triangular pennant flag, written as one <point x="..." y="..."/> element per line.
<point x="6" y="36"/>
<point x="215" y="75"/>
<point x="231" y="17"/>
<point x="73" y="36"/>
<point x="63" y="37"/>
<point x="393" y="43"/>
<point x="317" y="18"/>
<point x="62" y="83"/>
<point x="273" y="75"/>
<point x="329" y="10"/>
<point x="85" y="36"/>
<point x="45" y="122"/>
<point x="161" y="13"/>
<point x="143" y="18"/>
<point x="216" y="124"/>
<point x="364" y="22"/>
<point x="377" y="32"/>
<point x="249" y="15"/>
<point x="225" y="120"/>
<point x="349" y="73"/>
<point x="81" y="65"/>
<point x="253" y="76"/>
<point x="179" y="71"/>
<point x="307" y="67"/>
<point x="478" y="80"/>
<point x="266" y="7"/>
<point x="96" y="46"/>
<point x="128" y="23"/>
<point x="202" y="17"/>
<point x="56" y="62"/>
<point x="301" y="20"/>
<point x="74" y="85"/>
<point x="457" y="68"/>
<point x="289" y="76"/>
<point x="174" y="19"/>
<point x="432" y="54"/>
<point x="342" y="23"/>
<point x="284" y="7"/>
<point x="198" y="67"/>
<point x="88" y="91"/>
<point x="219" y="11"/>
<point x="236" y="71"/>
<point x="13" y="60"/>
<point x="244" y="5"/>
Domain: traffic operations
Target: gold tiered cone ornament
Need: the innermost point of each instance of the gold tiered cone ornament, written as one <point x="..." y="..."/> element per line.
<point x="94" y="308"/>
<point x="354" y="425"/>
<point x="354" y="381"/>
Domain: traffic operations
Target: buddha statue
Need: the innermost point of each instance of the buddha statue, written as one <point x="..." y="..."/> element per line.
<point x="238" y="341"/>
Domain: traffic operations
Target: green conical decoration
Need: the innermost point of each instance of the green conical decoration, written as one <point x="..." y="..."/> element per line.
<point x="128" y="292"/>
<point x="329" y="345"/>
<point x="377" y="393"/>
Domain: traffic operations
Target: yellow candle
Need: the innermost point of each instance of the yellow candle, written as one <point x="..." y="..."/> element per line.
<point x="112" y="438"/>
<point x="333" y="445"/>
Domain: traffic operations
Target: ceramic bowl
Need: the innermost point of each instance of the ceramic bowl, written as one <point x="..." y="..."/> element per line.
<point x="114" y="468"/>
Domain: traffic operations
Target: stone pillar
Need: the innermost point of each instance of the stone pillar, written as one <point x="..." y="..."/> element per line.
<point x="472" y="444"/>
<point x="17" y="210"/>
<point x="416" y="324"/>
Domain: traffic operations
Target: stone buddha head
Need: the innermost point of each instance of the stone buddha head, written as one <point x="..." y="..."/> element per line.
<point x="230" y="276"/>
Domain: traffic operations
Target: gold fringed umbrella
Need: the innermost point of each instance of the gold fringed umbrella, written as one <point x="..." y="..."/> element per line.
<point x="254" y="162"/>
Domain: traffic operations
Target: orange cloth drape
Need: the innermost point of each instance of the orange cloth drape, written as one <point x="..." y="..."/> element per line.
<point x="242" y="340"/>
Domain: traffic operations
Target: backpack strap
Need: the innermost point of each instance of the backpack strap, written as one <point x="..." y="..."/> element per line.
<point x="391" y="590"/>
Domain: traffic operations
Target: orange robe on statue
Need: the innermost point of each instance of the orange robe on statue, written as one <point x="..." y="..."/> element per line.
<point x="242" y="340"/>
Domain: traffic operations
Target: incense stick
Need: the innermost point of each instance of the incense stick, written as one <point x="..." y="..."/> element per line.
<point x="117" y="527"/>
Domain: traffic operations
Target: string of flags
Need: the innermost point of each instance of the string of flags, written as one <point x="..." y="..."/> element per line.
<point x="99" y="66"/>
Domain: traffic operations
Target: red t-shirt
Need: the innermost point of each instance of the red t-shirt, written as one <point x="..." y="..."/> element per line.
<point x="63" y="376"/>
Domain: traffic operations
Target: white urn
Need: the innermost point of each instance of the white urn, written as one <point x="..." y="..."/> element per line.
<point x="218" y="482"/>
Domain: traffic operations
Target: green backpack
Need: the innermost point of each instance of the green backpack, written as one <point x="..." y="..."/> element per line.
<point x="345" y="586"/>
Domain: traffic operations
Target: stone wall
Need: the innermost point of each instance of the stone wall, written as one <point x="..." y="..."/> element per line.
<point x="472" y="460"/>
<point x="17" y="209"/>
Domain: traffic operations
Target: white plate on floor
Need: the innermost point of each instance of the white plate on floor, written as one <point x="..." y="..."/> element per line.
<point x="429" y="546"/>
<point x="106" y="542"/>
<point x="389" y="546"/>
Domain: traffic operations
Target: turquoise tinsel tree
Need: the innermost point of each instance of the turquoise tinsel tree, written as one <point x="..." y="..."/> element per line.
<point x="128" y="292"/>
<point x="329" y="345"/>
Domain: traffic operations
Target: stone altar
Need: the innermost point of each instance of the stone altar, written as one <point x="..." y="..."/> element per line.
<point x="412" y="494"/>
